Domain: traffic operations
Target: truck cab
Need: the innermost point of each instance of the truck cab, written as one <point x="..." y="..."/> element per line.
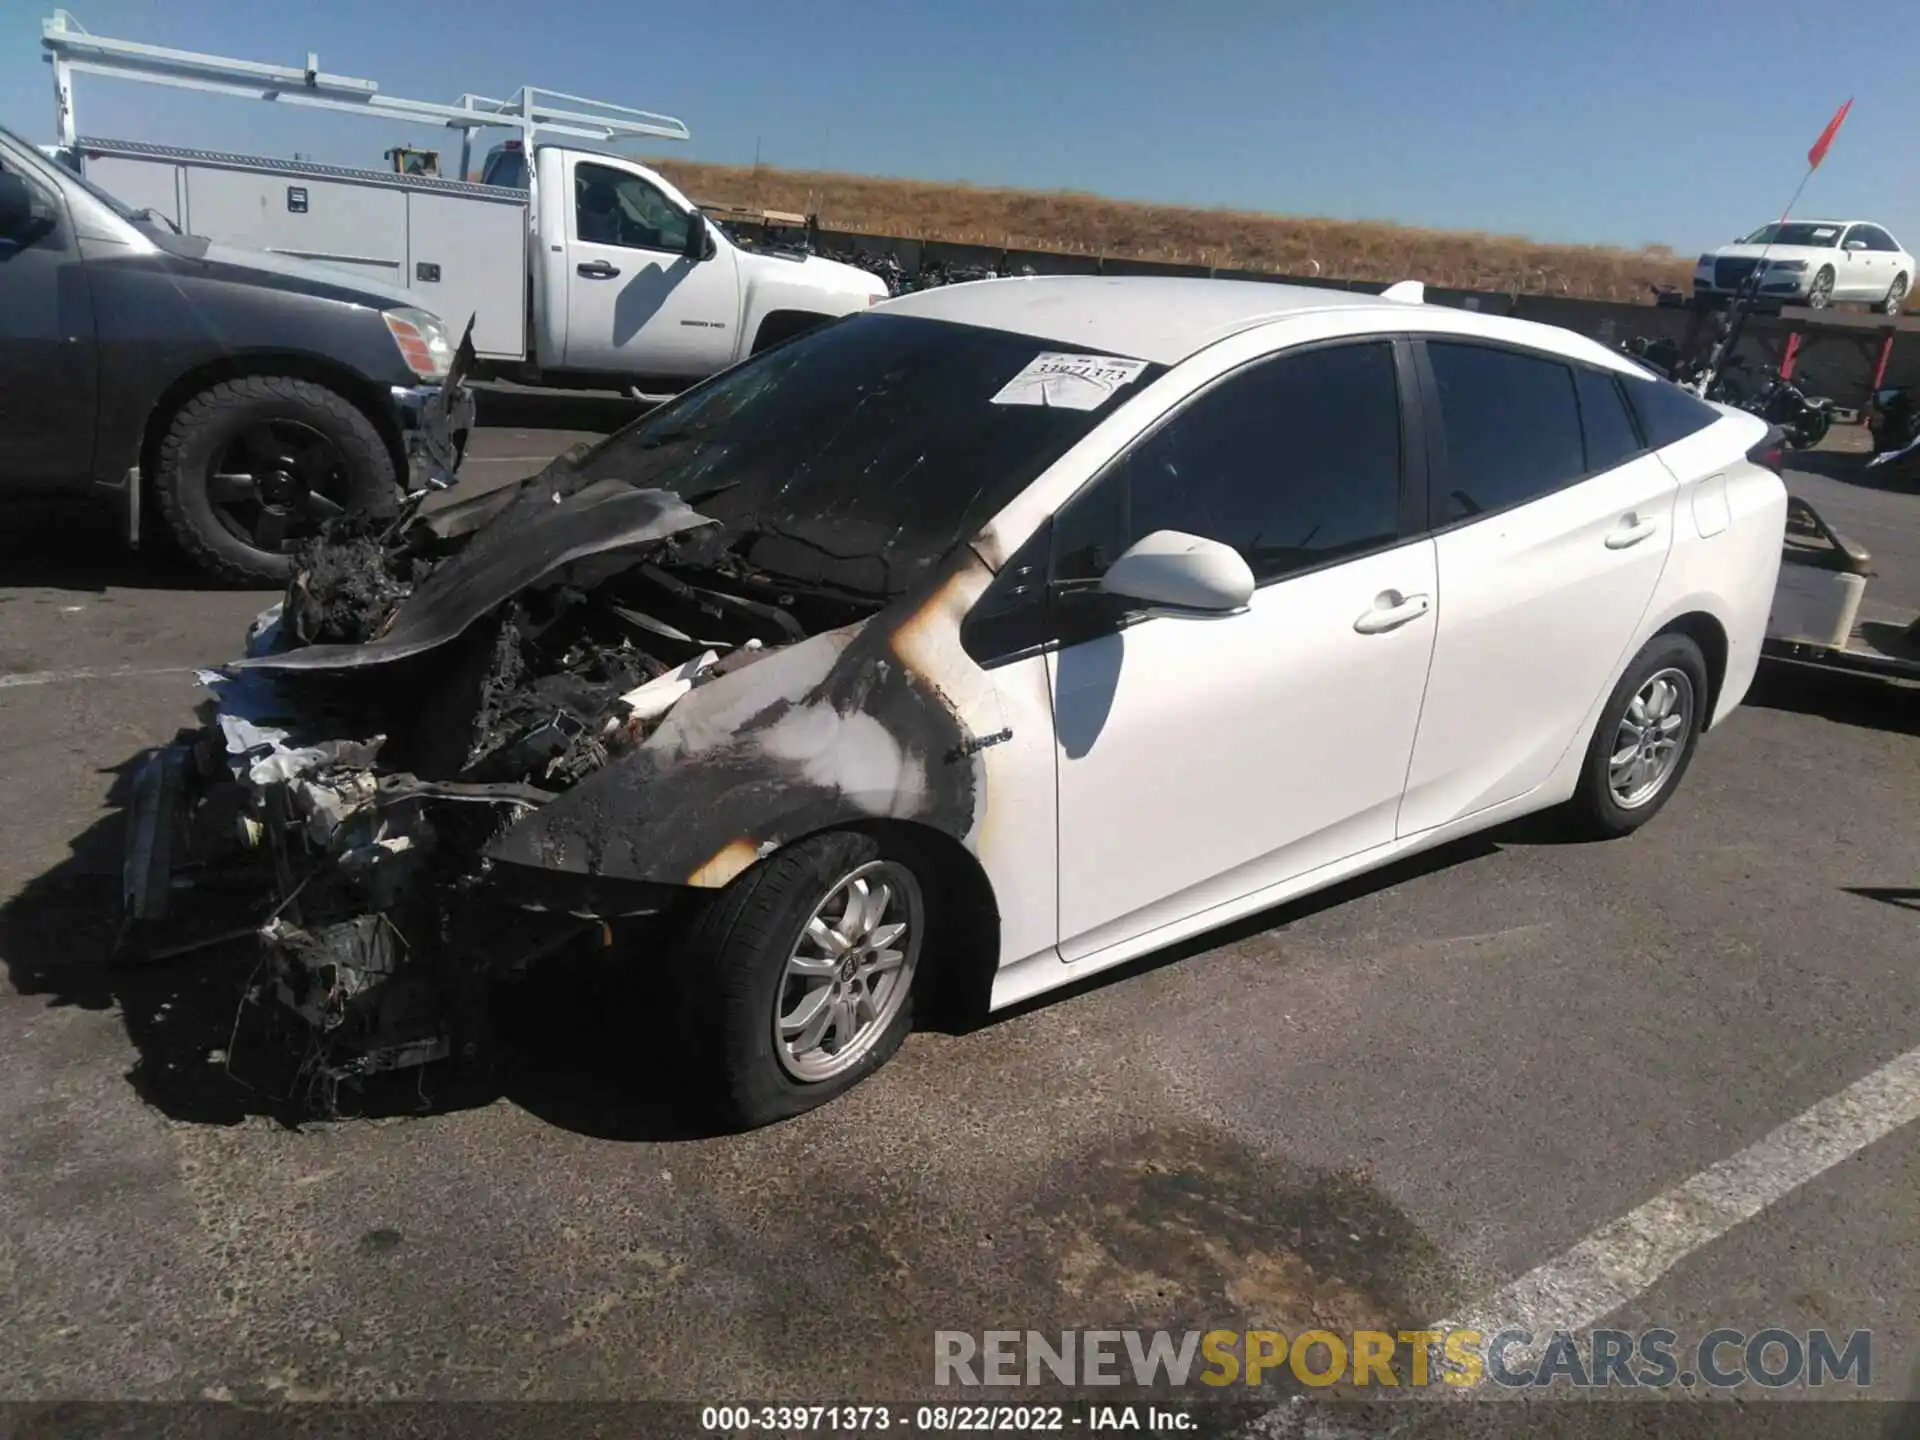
<point x="631" y="278"/>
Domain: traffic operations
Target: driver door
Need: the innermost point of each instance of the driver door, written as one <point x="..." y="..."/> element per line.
<point x="1202" y="759"/>
<point x="1857" y="272"/>
<point x="637" y="304"/>
<point x="48" y="355"/>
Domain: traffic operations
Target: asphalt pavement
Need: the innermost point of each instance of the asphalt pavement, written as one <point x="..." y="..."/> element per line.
<point x="1371" y="1108"/>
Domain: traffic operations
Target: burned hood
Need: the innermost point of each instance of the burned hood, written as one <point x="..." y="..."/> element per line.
<point x="528" y="534"/>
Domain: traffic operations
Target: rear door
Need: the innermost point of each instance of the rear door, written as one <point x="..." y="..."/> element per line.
<point x="48" y="379"/>
<point x="637" y="304"/>
<point x="1553" y="524"/>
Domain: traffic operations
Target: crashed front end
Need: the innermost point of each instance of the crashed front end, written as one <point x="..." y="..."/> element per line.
<point x="420" y="692"/>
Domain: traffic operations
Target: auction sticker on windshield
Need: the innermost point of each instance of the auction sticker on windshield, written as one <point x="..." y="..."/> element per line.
<point x="1069" y="382"/>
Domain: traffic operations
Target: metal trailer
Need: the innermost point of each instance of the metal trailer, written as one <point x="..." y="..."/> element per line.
<point x="463" y="248"/>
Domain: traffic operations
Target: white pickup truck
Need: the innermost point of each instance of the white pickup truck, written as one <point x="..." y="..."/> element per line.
<point x="598" y="273"/>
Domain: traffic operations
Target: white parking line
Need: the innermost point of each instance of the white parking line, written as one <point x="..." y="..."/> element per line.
<point x="1625" y="1258"/>
<point x="58" y="677"/>
<point x="1622" y="1260"/>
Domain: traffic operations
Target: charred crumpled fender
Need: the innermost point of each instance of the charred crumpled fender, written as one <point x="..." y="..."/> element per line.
<point x="878" y="720"/>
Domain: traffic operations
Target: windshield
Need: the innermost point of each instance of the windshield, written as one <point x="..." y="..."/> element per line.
<point x="858" y="456"/>
<point x="1821" y="237"/>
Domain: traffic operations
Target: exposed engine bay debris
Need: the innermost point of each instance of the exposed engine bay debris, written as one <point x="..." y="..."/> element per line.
<point x="424" y="685"/>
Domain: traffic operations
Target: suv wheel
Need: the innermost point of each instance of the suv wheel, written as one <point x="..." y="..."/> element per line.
<point x="252" y="467"/>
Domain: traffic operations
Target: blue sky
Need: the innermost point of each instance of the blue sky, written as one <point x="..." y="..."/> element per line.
<point x="1619" y="122"/>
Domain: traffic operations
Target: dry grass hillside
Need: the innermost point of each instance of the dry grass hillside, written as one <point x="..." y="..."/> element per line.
<point x="1087" y="224"/>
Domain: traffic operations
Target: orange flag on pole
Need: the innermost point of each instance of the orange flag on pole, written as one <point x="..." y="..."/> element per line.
<point x="1819" y="150"/>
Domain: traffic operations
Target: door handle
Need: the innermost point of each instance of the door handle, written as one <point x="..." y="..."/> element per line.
<point x="1631" y="531"/>
<point x="1390" y="611"/>
<point x="596" y="270"/>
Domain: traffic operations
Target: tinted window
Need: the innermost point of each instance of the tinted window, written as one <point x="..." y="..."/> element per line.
<point x="613" y="207"/>
<point x="1294" y="461"/>
<point x="1878" y="239"/>
<point x="1667" y="413"/>
<point x="857" y="456"/>
<point x="1608" y="429"/>
<point x="1512" y="427"/>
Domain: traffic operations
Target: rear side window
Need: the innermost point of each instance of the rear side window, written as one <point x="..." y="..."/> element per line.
<point x="1609" y="431"/>
<point x="1667" y="413"/>
<point x="1293" y="461"/>
<point x="1512" y="427"/>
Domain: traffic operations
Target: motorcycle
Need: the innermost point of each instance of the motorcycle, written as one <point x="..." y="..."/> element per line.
<point x="1805" y="419"/>
<point x="1895" y="426"/>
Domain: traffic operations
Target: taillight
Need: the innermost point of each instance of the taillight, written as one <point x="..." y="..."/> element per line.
<point x="1771" y="452"/>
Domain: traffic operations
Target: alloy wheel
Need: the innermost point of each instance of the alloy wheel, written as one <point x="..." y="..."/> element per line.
<point x="1648" y="739"/>
<point x="849" y="973"/>
<point x="1821" y="293"/>
<point x="275" y="483"/>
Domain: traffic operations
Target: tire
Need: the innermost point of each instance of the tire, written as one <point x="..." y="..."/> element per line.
<point x="1820" y="293"/>
<point x="335" y="461"/>
<point x="1596" y="810"/>
<point x="1896" y="296"/>
<point x="735" y="985"/>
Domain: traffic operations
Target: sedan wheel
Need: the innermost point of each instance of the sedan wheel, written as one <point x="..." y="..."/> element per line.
<point x="798" y="980"/>
<point x="1647" y="741"/>
<point x="849" y="972"/>
<point x="1820" y="296"/>
<point x="1896" y="296"/>
<point x="1645" y="738"/>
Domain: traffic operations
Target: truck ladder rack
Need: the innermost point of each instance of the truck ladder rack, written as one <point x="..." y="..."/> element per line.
<point x="530" y="110"/>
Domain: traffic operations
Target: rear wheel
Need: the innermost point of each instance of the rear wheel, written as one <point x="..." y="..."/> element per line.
<point x="1645" y="738"/>
<point x="250" y="468"/>
<point x="798" y="981"/>
<point x="1896" y="296"/>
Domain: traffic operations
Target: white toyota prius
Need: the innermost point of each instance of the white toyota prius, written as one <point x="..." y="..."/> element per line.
<point x="1004" y="633"/>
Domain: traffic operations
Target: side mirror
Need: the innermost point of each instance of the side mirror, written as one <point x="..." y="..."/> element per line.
<point x="1181" y="572"/>
<point x="1856" y="244"/>
<point x="16" y="206"/>
<point x="698" y="241"/>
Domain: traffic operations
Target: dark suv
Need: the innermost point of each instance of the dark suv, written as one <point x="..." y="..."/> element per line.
<point x="246" y="395"/>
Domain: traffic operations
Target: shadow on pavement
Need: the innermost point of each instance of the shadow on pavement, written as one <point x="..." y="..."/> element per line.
<point x="582" y="1045"/>
<point x="70" y="545"/>
<point x="1861" y="700"/>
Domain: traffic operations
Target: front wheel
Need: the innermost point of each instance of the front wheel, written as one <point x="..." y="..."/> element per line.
<point x="1896" y="297"/>
<point x="250" y="468"/>
<point x="798" y="980"/>
<point x="1820" y="293"/>
<point x="1645" y="738"/>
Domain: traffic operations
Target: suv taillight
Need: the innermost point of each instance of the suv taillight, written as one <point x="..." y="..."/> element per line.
<point x="1772" y="451"/>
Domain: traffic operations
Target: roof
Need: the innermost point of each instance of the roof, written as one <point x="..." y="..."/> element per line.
<point x="1160" y="319"/>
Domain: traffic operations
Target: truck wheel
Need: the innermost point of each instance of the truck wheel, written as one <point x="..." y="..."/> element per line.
<point x="252" y="467"/>
<point x="798" y="979"/>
